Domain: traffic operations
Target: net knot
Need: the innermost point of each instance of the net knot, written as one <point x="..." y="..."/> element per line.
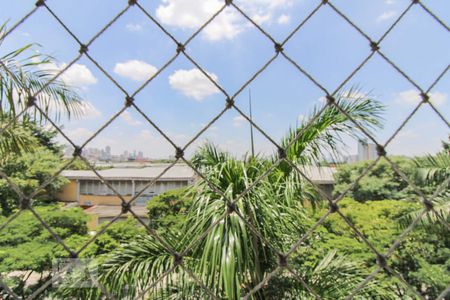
<point x="132" y="2"/>
<point x="125" y="207"/>
<point x="374" y="46"/>
<point x="381" y="261"/>
<point x="278" y="48"/>
<point x="179" y="153"/>
<point x="230" y="103"/>
<point x="40" y="3"/>
<point x="180" y="48"/>
<point x="231" y="208"/>
<point x="129" y="101"/>
<point x="333" y="207"/>
<point x="330" y="99"/>
<point x="31" y="101"/>
<point x="281" y="153"/>
<point x="380" y="150"/>
<point x="282" y="260"/>
<point x="177" y="259"/>
<point x="425" y="97"/>
<point x="25" y="203"/>
<point x="76" y="151"/>
<point x="83" y="49"/>
<point x="428" y="204"/>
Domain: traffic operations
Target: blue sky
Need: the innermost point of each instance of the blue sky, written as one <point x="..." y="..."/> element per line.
<point x="181" y="100"/>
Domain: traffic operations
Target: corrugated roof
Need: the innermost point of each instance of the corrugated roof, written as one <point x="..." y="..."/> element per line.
<point x="176" y="172"/>
<point x="319" y="175"/>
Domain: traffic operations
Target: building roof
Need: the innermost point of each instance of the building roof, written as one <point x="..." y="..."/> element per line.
<point x="176" y="172"/>
<point x="319" y="175"/>
<point x="110" y="211"/>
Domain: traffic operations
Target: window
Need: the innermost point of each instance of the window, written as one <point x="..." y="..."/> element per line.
<point x="140" y="185"/>
<point x="143" y="200"/>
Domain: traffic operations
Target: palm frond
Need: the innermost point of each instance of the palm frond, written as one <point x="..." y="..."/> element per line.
<point x="21" y="77"/>
<point x="433" y="169"/>
<point x="317" y="138"/>
<point x="15" y="139"/>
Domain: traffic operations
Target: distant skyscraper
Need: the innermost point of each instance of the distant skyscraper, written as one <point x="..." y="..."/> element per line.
<point x="108" y="153"/>
<point x="366" y="151"/>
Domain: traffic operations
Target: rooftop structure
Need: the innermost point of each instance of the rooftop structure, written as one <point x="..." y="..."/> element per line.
<point x="176" y="172"/>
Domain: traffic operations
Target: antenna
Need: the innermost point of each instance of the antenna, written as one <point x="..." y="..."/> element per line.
<point x="251" y="119"/>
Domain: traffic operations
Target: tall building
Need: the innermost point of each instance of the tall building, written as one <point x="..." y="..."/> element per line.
<point x="366" y="151"/>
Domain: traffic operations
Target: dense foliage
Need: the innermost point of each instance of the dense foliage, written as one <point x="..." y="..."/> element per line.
<point x="29" y="171"/>
<point x="381" y="182"/>
<point x="168" y="211"/>
<point x="27" y="248"/>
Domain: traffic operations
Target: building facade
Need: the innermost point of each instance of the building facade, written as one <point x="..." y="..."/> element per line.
<point x="96" y="196"/>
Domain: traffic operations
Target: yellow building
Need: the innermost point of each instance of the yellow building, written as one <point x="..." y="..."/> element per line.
<point x="101" y="198"/>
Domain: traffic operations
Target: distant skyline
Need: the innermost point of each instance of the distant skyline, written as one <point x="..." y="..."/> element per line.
<point x="181" y="100"/>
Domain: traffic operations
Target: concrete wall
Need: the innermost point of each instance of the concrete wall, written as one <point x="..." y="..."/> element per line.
<point x="69" y="192"/>
<point x="101" y="200"/>
<point x="93" y="222"/>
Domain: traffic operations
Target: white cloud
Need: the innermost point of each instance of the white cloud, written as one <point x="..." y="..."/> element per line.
<point x="134" y="27"/>
<point x="128" y="118"/>
<point x="386" y="16"/>
<point x="88" y="110"/>
<point x="225" y="26"/>
<point x="238" y="121"/>
<point x="353" y="95"/>
<point x="191" y="14"/>
<point x="283" y="19"/>
<point x="77" y="75"/>
<point x="193" y="83"/>
<point x="187" y="13"/>
<point x="135" y="69"/>
<point x="412" y="97"/>
<point x="78" y="135"/>
<point x="416" y="142"/>
<point x="260" y="19"/>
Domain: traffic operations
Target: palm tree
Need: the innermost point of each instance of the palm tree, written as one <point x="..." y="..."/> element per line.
<point x="229" y="258"/>
<point x="20" y="78"/>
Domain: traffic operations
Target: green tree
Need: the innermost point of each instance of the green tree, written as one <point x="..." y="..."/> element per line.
<point x="115" y="236"/>
<point x="168" y="211"/>
<point x="381" y="182"/>
<point x="422" y="258"/>
<point x="29" y="171"/>
<point x="26" y="247"/>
